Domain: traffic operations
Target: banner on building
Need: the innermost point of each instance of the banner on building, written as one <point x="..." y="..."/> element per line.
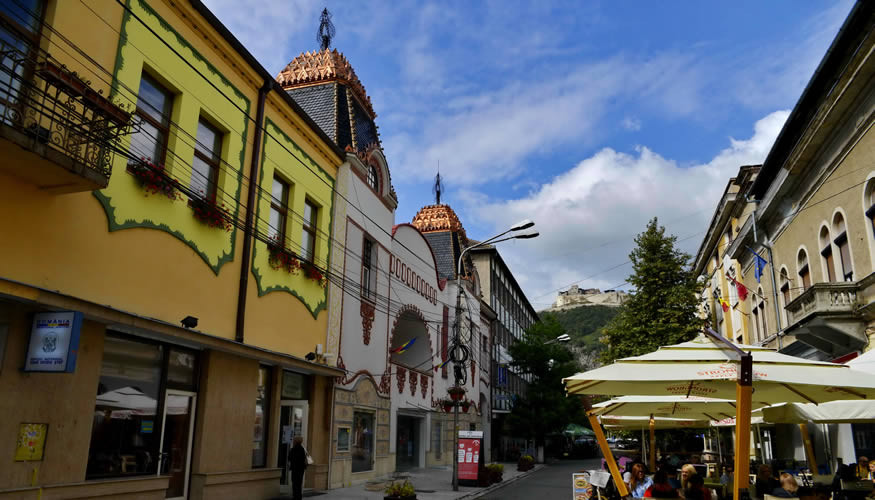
<point x="54" y="342"/>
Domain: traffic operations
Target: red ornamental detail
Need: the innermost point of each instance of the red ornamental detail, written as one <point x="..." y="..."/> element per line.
<point x="473" y="371"/>
<point x="367" y="311"/>
<point x="413" y="383"/>
<point x="401" y="373"/>
<point x="385" y="384"/>
<point x="423" y="383"/>
<point x="341" y="379"/>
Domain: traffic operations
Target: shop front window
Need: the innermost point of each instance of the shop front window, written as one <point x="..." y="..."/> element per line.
<point x="362" y="442"/>
<point x="125" y="435"/>
<point x="262" y="408"/>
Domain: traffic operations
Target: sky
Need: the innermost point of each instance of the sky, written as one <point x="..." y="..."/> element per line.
<point x="589" y="118"/>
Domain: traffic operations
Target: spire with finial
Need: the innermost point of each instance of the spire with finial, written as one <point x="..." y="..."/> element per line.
<point x="326" y="30"/>
<point x="438" y="187"/>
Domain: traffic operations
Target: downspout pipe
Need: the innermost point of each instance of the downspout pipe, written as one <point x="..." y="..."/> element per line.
<point x="248" y="231"/>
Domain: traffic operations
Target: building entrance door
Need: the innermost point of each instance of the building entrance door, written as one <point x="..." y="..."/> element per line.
<point x="176" y="433"/>
<point x="407" y="443"/>
<point x="293" y="422"/>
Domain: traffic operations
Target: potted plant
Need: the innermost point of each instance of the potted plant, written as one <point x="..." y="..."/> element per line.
<point x="281" y="257"/>
<point x="465" y="405"/>
<point x="496" y="472"/>
<point x="314" y="273"/>
<point x="210" y="213"/>
<point x="153" y="179"/>
<point x="447" y="404"/>
<point x="526" y="462"/>
<point x="456" y="393"/>
<point x="400" y="491"/>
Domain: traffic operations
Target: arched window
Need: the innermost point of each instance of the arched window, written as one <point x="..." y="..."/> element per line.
<point x="802" y="269"/>
<point x="828" y="262"/>
<point x="844" y="248"/>
<point x="758" y="317"/>
<point x="373" y="178"/>
<point x="869" y="202"/>
<point x="785" y="292"/>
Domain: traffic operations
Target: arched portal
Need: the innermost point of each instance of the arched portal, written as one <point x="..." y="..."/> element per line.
<point x="410" y="325"/>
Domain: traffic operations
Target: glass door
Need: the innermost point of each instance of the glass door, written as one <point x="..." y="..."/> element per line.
<point x="293" y="422"/>
<point x="176" y="434"/>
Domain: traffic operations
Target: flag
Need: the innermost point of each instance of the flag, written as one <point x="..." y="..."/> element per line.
<point x="400" y="349"/>
<point x="742" y="290"/>
<point x="724" y="304"/>
<point x="759" y="265"/>
<point x="441" y="365"/>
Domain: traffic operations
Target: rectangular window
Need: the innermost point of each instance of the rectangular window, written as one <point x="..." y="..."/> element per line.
<point x="154" y="104"/>
<point x="206" y="162"/>
<point x="362" y="441"/>
<point x="369" y="269"/>
<point x="262" y="410"/>
<point x="279" y="203"/>
<point x="437" y="434"/>
<point x="308" y="237"/>
<point x="805" y="277"/>
<point x="829" y="263"/>
<point x="845" y="254"/>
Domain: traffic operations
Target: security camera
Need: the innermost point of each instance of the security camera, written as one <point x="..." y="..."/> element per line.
<point x="189" y="322"/>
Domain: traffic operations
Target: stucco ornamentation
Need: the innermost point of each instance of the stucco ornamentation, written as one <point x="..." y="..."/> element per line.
<point x="367" y="312"/>
<point x="413" y="381"/>
<point x="401" y="374"/>
<point x="473" y="372"/>
<point x="423" y="383"/>
<point x="385" y="383"/>
<point x="342" y="366"/>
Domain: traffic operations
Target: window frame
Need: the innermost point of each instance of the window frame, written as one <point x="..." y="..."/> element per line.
<point x="164" y="128"/>
<point x="214" y="164"/>
<point x="368" y="288"/>
<point x="310" y="227"/>
<point x="265" y="415"/>
<point x="281" y="207"/>
<point x="373" y="180"/>
<point x="841" y="241"/>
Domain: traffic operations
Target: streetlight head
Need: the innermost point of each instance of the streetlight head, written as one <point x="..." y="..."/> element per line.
<point x="526" y="236"/>
<point x="523" y="224"/>
<point x="564" y="337"/>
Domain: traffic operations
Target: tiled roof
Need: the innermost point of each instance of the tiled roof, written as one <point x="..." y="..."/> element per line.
<point x="324" y="66"/>
<point x="437" y="218"/>
<point x="441" y="244"/>
<point x="318" y="102"/>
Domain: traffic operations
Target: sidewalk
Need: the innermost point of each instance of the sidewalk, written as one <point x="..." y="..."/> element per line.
<point x="430" y="483"/>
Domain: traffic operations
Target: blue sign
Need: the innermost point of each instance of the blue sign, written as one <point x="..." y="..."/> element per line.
<point x="54" y="342"/>
<point x="147" y="426"/>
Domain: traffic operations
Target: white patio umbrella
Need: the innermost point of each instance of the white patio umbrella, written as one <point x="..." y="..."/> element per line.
<point x="711" y="366"/>
<point x="659" y="423"/>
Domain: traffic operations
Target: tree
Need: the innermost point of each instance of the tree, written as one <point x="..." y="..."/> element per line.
<point x="544" y="409"/>
<point x="662" y="310"/>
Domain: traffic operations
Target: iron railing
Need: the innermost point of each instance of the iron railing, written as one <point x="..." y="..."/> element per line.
<point x="48" y="104"/>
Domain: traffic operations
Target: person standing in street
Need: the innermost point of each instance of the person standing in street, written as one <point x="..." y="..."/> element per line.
<point x="297" y="466"/>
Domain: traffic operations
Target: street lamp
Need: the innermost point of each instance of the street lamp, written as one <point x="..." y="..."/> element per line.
<point x="562" y="338"/>
<point x="460" y="356"/>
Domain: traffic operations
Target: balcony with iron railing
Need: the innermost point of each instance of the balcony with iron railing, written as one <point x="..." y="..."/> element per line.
<point x="56" y="131"/>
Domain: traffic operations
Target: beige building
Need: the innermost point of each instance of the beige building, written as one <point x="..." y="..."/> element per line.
<point x="809" y="211"/>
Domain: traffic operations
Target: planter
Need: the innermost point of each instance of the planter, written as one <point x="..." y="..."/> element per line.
<point x="409" y="497"/>
<point x="496" y="477"/>
<point x="465" y="408"/>
<point x="524" y="468"/>
<point x="456" y="393"/>
<point x="448" y="407"/>
<point x="209" y="213"/>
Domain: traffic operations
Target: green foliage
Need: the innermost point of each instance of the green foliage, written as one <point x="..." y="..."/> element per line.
<point x="662" y="310"/>
<point x="544" y="409"/>
<point x="396" y="489"/>
<point x="497" y="468"/>
<point x="583" y="323"/>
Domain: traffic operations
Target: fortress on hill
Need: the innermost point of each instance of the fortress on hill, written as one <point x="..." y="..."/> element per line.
<point x="576" y="297"/>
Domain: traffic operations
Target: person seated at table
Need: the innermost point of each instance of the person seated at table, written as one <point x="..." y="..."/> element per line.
<point x="846" y="474"/>
<point x="863" y="468"/>
<point x="765" y="483"/>
<point x="788" y="488"/>
<point x="638" y="482"/>
<point x="692" y="484"/>
<point x="727" y="477"/>
<point x="661" y="488"/>
<point x="871" y="475"/>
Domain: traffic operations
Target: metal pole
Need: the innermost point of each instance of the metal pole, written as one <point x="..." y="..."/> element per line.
<point x="809" y="447"/>
<point x="456" y="371"/>
<point x="652" y="444"/>
<point x="606" y="449"/>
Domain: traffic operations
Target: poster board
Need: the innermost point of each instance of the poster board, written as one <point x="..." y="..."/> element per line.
<point x="468" y="456"/>
<point x="581" y="487"/>
<point x="31" y="442"/>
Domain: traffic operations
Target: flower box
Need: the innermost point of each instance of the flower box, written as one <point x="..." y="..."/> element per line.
<point x="456" y="393"/>
<point x="210" y="213"/>
<point x="154" y="179"/>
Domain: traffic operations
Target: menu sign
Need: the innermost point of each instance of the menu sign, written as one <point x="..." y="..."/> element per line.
<point x="581" y="488"/>
<point x="54" y="342"/>
<point x="469" y="454"/>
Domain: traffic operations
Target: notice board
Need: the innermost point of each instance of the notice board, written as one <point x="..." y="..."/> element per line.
<point x="468" y="455"/>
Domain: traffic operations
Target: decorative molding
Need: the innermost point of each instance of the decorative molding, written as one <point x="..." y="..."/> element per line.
<point x="367" y="312"/>
<point x="401" y="374"/>
<point x="340" y="364"/>
<point x="413" y="381"/>
<point x="423" y="383"/>
<point x="385" y="386"/>
<point x="473" y="373"/>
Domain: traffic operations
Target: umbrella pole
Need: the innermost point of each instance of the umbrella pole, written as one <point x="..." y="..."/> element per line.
<point x="743" y="390"/>
<point x="644" y="455"/>
<point x="809" y="447"/>
<point x="719" y="446"/>
<point x="652" y="444"/>
<point x="606" y="450"/>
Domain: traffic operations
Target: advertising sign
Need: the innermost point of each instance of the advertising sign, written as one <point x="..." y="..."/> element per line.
<point x="31" y="442"/>
<point x="581" y="488"/>
<point x="469" y="454"/>
<point x="54" y="342"/>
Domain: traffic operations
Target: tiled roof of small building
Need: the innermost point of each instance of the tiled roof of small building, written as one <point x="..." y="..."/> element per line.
<point x="324" y="66"/>
<point x="441" y="244"/>
<point x="318" y="101"/>
<point x="437" y="218"/>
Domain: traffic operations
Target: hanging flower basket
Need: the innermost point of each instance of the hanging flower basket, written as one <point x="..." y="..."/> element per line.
<point x="210" y="213"/>
<point x="282" y="258"/>
<point x="448" y="405"/>
<point x="154" y="180"/>
<point x="456" y="393"/>
<point x="465" y="405"/>
<point x="314" y="273"/>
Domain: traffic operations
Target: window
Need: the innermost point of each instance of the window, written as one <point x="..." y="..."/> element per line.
<point x="759" y="316"/>
<point x="826" y="253"/>
<point x="279" y="202"/>
<point x="19" y="31"/>
<point x="362" y="441"/>
<point x="207" y="157"/>
<point x="154" y="104"/>
<point x="308" y="237"/>
<point x="373" y="179"/>
<point x="437" y="435"/>
<point x="369" y="269"/>
<point x="869" y="203"/>
<point x="262" y="410"/>
<point x="802" y="265"/>
<point x="841" y="242"/>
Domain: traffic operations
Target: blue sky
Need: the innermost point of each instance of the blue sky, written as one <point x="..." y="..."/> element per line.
<point x="588" y="117"/>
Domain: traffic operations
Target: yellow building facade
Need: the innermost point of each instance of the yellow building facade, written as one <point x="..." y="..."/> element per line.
<point x="164" y="350"/>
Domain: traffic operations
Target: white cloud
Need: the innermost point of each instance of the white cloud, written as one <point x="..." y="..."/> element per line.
<point x="589" y="215"/>
<point x="631" y="124"/>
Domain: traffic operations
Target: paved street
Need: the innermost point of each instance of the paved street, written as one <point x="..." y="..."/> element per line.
<point x="551" y="482"/>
